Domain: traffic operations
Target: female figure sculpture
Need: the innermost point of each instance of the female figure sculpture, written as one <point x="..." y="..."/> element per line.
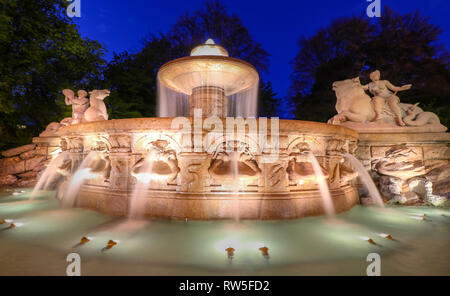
<point x="381" y="90"/>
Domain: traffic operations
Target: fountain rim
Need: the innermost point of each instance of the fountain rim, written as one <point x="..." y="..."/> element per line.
<point x="171" y="63"/>
<point x="145" y="124"/>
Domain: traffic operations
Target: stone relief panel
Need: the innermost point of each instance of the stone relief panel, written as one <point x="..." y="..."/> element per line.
<point x="159" y="166"/>
<point x="234" y="162"/>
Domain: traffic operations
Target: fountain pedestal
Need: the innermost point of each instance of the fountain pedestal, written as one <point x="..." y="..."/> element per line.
<point x="210" y="99"/>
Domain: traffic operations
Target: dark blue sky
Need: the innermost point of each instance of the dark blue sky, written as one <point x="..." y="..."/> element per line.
<point x="278" y="24"/>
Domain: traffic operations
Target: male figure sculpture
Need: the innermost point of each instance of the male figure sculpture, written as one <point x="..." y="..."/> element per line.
<point x="381" y="90"/>
<point x="79" y="105"/>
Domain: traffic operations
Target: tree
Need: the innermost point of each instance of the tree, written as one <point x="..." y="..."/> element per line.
<point x="41" y="53"/>
<point x="268" y="102"/>
<point x="214" y="21"/>
<point x="403" y="47"/>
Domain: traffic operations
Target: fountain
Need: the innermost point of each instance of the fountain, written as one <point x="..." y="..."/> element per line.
<point x="215" y="159"/>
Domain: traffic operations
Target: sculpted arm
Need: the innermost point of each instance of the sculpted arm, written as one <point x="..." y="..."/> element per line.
<point x="397" y="88"/>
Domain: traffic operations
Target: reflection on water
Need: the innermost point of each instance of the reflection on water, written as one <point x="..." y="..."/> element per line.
<point x="306" y="246"/>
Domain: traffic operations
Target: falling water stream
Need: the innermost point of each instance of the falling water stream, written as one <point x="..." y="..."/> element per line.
<point x="143" y="180"/>
<point x="323" y="186"/>
<point x="365" y="178"/>
<point x="81" y="174"/>
<point x="49" y="174"/>
<point x="235" y="173"/>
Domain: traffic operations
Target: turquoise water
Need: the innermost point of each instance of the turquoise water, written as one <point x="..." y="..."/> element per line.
<point x="309" y="246"/>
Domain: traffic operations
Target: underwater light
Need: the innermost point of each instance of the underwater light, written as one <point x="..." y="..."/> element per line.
<point x="367" y="239"/>
<point x="230" y="252"/>
<point x="385" y="235"/>
<point x="264" y="251"/>
<point x="85" y="240"/>
<point x="14" y="225"/>
<point x="111" y="243"/>
<point x="419" y="215"/>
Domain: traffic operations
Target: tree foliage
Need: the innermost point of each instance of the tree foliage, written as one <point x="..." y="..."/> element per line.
<point x="268" y="101"/>
<point x="41" y="53"/>
<point x="403" y="47"/>
<point x="132" y="78"/>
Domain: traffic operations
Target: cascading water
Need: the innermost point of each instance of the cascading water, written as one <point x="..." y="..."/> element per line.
<point x="143" y="179"/>
<point x="323" y="186"/>
<point x="49" y="174"/>
<point x="365" y="179"/>
<point x="82" y="173"/>
<point x="235" y="173"/>
<point x="244" y="104"/>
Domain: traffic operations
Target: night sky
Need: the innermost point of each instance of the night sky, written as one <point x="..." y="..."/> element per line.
<point x="278" y="24"/>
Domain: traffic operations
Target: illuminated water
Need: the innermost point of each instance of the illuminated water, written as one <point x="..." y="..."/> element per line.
<point x="172" y="104"/>
<point x="323" y="186"/>
<point x="365" y="179"/>
<point x="81" y="174"/>
<point x="137" y="200"/>
<point x="50" y="173"/>
<point x="308" y="246"/>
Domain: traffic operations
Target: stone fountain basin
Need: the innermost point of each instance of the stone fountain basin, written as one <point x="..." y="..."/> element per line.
<point x="194" y="193"/>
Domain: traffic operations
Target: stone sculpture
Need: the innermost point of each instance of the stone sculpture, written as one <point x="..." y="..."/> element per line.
<point x="358" y="110"/>
<point x="86" y="110"/>
<point x="97" y="110"/>
<point x="164" y="163"/>
<point x="381" y="90"/>
<point x="300" y="168"/>
<point x="415" y="116"/>
<point x="79" y="105"/>
<point x="222" y="167"/>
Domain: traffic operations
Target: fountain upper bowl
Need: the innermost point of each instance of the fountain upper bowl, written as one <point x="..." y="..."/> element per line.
<point x="231" y="74"/>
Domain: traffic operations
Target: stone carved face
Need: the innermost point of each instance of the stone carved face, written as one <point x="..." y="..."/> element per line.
<point x="164" y="163"/>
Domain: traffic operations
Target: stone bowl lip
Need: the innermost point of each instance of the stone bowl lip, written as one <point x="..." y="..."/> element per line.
<point x="146" y="124"/>
<point x="224" y="59"/>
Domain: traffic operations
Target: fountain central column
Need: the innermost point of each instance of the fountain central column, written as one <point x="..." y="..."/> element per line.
<point x="210" y="99"/>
